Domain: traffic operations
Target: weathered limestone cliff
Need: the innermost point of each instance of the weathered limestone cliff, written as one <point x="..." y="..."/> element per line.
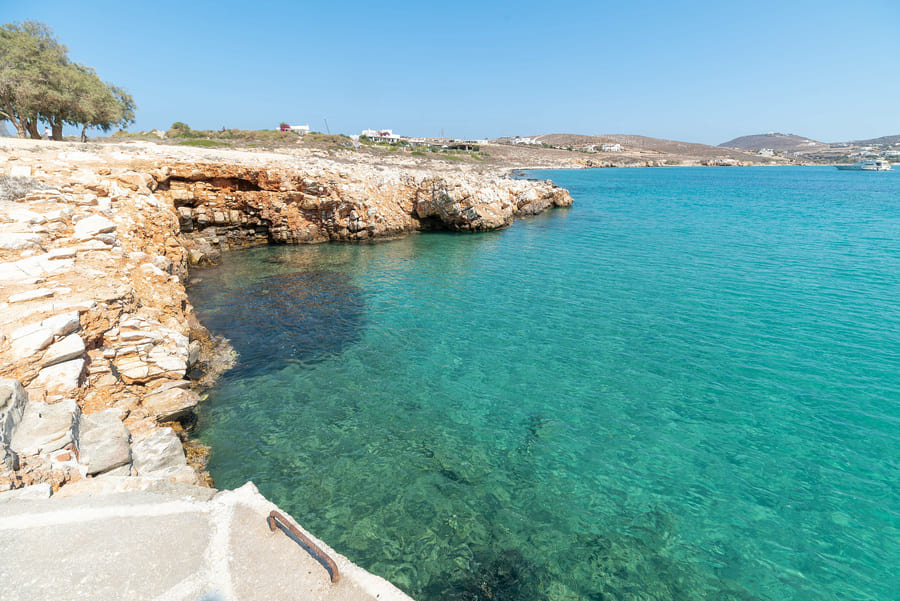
<point x="98" y="342"/>
<point x="233" y="205"/>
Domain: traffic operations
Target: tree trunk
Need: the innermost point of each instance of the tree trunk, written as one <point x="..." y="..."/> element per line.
<point x="33" y="132"/>
<point x="84" y="134"/>
<point x="57" y="131"/>
<point x="7" y="112"/>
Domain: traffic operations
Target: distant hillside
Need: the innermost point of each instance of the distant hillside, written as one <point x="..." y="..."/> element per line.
<point x="667" y="146"/>
<point x="876" y="141"/>
<point x="772" y="140"/>
<point x="640" y="143"/>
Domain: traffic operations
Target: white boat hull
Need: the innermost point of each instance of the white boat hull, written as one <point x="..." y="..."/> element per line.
<point x="871" y="165"/>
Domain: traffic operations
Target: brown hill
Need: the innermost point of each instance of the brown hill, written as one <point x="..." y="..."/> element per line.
<point x="774" y="141"/>
<point x="641" y="144"/>
<point x="878" y="141"/>
<point x="665" y="146"/>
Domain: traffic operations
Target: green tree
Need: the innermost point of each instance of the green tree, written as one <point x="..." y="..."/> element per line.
<point x="101" y="105"/>
<point x="179" y="129"/>
<point x="39" y="82"/>
<point x="29" y="55"/>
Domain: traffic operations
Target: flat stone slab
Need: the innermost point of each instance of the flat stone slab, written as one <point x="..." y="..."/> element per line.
<point x="100" y="574"/>
<point x="45" y="428"/>
<point x="171" y="404"/>
<point x="159" y="453"/>
<point x="31" y="267"/>
<point x="103" y="442"/>
<point x="35" y="491"/>
<point x="62" y="324"/>
<point x="20" y="171"/>
<point x="26" y="216"/>
<point x="32" y="342"/>
<point x="31" y="295"/>
<point x="29" y="339"/>
<point x="70" y="347"/>
<point x="133" y="369"/>
<point x="60" y="379"/>
<point x="93" y="225"/>
<point x="21" y="241"/>
<point x="174" y="545"/>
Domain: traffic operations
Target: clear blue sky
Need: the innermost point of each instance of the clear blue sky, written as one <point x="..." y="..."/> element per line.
<point x="704" y="71"/>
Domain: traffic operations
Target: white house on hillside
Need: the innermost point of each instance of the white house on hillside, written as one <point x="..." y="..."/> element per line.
<point x="297" y="129"/>
<point x="611" y="147"/>
<point x="381" y="135"/>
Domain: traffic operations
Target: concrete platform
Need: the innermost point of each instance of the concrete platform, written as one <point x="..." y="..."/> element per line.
<point x="142" y="539"/>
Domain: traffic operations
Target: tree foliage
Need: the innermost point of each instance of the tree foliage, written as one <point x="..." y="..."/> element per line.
<point x="38" y="83"/>
<point x="179" y="130"/>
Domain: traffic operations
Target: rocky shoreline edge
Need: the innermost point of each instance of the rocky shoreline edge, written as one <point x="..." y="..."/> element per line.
<point x="101" y="354"/>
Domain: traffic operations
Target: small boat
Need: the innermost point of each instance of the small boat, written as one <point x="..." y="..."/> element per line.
<point x="867" y="165"/>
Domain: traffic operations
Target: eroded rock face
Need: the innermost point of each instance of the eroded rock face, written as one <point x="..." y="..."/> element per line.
<point x="97" y="336"/>
<point x="226" y="206"/>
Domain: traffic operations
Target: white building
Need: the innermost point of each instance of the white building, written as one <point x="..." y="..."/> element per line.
<point x="766" y="152"/>
<point x="611" y="147"/>
<point x="381" y="135"/>
<point x="300" y="129"/>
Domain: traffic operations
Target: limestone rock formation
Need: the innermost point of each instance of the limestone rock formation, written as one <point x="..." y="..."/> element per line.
<point x="226" y="206"/>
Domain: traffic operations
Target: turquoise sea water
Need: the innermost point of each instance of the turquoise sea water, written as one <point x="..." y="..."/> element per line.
<point x="687" y="386"/>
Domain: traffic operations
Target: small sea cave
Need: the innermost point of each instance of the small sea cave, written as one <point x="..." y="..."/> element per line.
<point x="229" y="184"/>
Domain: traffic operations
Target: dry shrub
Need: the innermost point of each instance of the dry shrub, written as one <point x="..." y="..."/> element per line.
<point x="15" y="188"/>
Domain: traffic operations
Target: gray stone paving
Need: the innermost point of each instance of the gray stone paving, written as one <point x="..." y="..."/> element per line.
<point x="148" y="539"/>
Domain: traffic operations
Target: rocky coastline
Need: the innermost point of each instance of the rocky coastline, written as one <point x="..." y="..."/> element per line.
<point x="101" y="355"/>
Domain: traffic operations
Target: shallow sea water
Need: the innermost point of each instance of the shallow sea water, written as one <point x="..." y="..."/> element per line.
<point x="684" y="387"/>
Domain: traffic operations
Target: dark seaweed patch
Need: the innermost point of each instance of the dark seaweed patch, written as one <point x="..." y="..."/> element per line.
<point x="302" y="316"/>
<point x="507" y="577"/>
<point x="643" y="559"/>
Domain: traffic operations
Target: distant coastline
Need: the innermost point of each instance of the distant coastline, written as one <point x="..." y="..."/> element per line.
<point x="546" y="151"/>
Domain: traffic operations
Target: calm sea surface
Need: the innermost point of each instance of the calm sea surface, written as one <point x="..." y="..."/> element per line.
<point x="687" y="386"/>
